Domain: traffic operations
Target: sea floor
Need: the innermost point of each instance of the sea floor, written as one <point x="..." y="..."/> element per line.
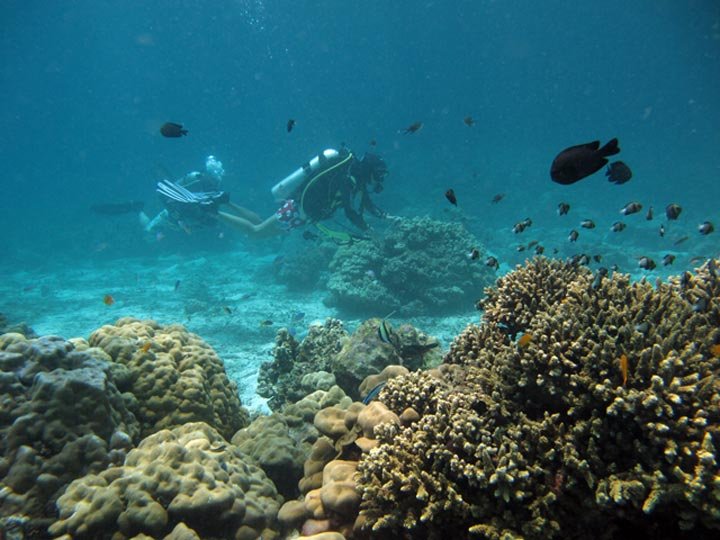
<point x="226" y="298"/>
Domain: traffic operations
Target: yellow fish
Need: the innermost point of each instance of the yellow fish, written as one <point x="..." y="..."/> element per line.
<point x="624" y="368"/>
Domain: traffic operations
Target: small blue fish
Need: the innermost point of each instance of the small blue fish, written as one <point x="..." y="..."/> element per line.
<point x="374" y="392"/>
<point x="297" y="316"/>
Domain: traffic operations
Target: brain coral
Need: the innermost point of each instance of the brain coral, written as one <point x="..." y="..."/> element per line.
<point x="61" y="416"/>
<point x="188" y="475"/>
<point x="174" y="376"/>
<point x="419" y="266"/>
<point x="603" y="423"/>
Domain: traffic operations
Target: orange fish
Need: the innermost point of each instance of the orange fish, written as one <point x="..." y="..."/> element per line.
<point x="624" y="368"/>
<point x="715" y="350"/>
<point x="524" y="340"/>
<point x="108" y="300"/>
<point x="146" y="347"/>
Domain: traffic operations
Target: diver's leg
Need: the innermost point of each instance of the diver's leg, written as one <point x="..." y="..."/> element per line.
<point x="264" y="229"/>
<point x="245" y="213"/>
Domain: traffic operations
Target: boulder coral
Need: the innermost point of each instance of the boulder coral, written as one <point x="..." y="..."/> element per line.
<point x="603" y="422"/>
<point x="174" y="376"/>
<point x="419" y="266"/>
<point x="61" y="417"/>
<point x="189" y="475"/>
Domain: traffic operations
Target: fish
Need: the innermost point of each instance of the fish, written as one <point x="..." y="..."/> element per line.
<point x="450" y="196"/>
<point x="413" y="128"/>
<point x="539" y="250"/>
<point x="146" y="346"/>
<point x="108" y="300"/>
<point x="580" y="161"/>
<point x="172" y="130"/>
<point x="248" y="295"/>
<point x="386" y="333"/>
<point x="290" y="125"/>
<point x="668" y="259"/>
<point x="524" y="340"/>
<point x="228" y="310"/>
<point x="587" y="224"/>
<point x="706" y="228"/>
<point x="573" y="236"/>
<point x="372" y="142"/>
<point x="581" y="259"/>
<point x="117" y="209"/>
<point x="672" y="211"/>
<point x="468" y="121"/>
<point x="700" y="305"/>
<point x="661" y="231"/>
<point x="177" y="285"/>
<point x="649" y="214"/>
<point x="522" y="225"/>
<point x="563" y="208"/>
<point x="618" y="226"/>
<point x="602" y="272"/>
<point x="618" y="173"/>
<point x="266" y="322"/>
<point x="597" y="258"/>
<point x="497" y="198"/>
<point x="474" y="254"/>
<point x="631" y="208"/>
<point x="624" y="368"/>
<point x="642" y="327"/>
<point x="374" y="392"/>
<point x="492" y="262"/>
<point x="532" y="243"/>
<point x="696" y="259"/>
<point x="297" y="316"/>
<point x="646" y="263"/>
<point x="520" y="248"/>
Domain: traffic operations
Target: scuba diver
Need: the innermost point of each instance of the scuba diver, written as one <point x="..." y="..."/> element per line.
<point x="311" y="194"/>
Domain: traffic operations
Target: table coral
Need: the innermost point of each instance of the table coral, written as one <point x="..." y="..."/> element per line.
<point x="175" y="376"/>
<point x="606" y="420"/>
<point x="61" y="416"/>
<point x="189" y="474"/>
<point x="420" y="265"/>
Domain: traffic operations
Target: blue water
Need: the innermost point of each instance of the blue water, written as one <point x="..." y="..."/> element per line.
<point x="86" y="84"/>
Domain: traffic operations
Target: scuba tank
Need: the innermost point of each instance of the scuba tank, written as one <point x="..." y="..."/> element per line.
<point x="287" y="186"/>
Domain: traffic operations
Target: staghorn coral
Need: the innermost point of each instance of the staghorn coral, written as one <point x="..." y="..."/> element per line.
<point x="419" y="266"/>
<point x="551" y="438"/>
<point x="189" y="474"/>
<point x="61" y="416"/>
<point x="178" y="379"/>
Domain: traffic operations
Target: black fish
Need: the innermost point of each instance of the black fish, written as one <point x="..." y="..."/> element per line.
<point x="573" y="236"/>
<point x="563" y="208"/>
<point x="577" y="162"/>
<point x="386" y="334"/>
<point x="618" y="173"/>
<point x="492" y="262"/>
<point x="290" y="125"/>
<point x="706" y="227"/>
<point x="497" y="198"/>
<point x="116" y="209"/>
<point x="413" y="128"/>
<point x="646" y="263"/>
<point x="661" y="230"/>
<point x="177" y="285"/>
<point x="450" y="196"/>
<point x="587" y="224"/>
<point x="649" y="214"/>
<point x="539" y="250"/>
<point x="172" y="130"/>
<point x="469" y="121"/>
<point x="474" y="254"/>
<point x="631" y="208"/>
<point x="668" y="259"/>
<point x="618" y="226"/>
<point x="672" y="211"/>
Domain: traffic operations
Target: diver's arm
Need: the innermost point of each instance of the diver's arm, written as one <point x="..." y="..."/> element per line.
<point x="367" y="204"/>
<point x="354" y="217"/>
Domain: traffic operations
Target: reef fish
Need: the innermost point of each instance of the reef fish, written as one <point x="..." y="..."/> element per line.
<point x="577" y="162"/>
<point x="672" y="211"/>
<point x="631" y="208"/>
<point x="469" y="121"/>
<point x="172" y="130"/>
<point x="450" y="196"/>
<point x="413" y="128"/>
<point x="587" y="224"/>
<point x="706" y="227"/>
<point x="374" y="392"/>
<point x="108" y="300"/>
<point x="618" y="173"/>
<point x="624" y="368"/>
<point x="290" y="125"/>
<point x="385" y="333"/>
<point x="563" y="208"/>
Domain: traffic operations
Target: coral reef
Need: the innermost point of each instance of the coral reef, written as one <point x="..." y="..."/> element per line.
<point x="303" y="266"/>
<point x="187" y="475"/>
<point x="419" y="266"/>
<point x="328" y="354"/>
<point x="61" y="417"/>
<point x="15" y="328"/>
<point x="603" y="422"/>
<point x="173" y="374"/>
